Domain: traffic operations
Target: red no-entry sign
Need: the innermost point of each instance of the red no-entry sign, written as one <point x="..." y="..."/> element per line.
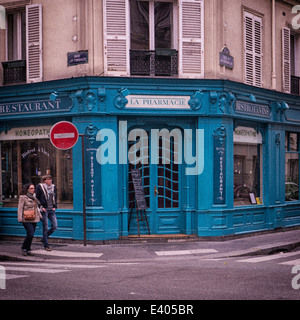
<point x="64" y="135"/>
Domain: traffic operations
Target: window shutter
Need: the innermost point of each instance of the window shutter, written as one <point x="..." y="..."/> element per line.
<point x="258" y="51"/>
<point x="286" y="63"/>
<point x="253" y="49"/>
<point x="34" y="43"/>
<point x="191" y="36"/>
<point x="116" y="37"/>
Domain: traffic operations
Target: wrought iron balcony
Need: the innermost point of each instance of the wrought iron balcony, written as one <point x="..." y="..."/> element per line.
<point x="159" y="62"/>
<point x="14" y="72"/>
<point x="295" y="85"/>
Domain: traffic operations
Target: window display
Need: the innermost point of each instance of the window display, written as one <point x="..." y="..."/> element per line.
<point x="248" y="164"/>
<point x="291" y="166"/>
<point x="24" y="161"/>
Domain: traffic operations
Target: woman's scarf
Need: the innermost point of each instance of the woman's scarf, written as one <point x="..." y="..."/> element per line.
<point x="31" y="196"/>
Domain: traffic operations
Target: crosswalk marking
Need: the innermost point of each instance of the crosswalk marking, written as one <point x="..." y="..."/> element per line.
<point x="70" y="254"/>
<point x="184" y="252"/>
<point x="54" y="265"/>
<point x="33" y="267"/>
<point x="292" y="262"/>
<point x="269" y="258"/>
<point x="30" y="269"/>
<point x="12" y="276"/>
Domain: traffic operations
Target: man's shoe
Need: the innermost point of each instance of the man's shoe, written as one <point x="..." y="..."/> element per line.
<point x="48" y="249"/>
<point x="24" y="252"/>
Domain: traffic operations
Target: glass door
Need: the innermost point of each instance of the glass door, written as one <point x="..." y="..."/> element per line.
<point x="161" y="179"/>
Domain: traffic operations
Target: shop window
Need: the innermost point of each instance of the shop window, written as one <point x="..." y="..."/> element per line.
<point x="24" y="161"/>
<point x="291" y="166"/>
<point x="248" y="166"/>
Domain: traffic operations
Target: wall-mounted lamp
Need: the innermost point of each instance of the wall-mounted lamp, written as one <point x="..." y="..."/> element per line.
<point x="53" y="96"/>
<point x="249" y="97"/>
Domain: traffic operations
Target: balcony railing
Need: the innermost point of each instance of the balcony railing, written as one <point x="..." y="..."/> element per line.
<point x="159" y="62"/>
<point x="14" y="72"/>
<point x="295" y="85"/>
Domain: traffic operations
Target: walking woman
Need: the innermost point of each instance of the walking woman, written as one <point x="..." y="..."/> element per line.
<point x="29" y="215"/>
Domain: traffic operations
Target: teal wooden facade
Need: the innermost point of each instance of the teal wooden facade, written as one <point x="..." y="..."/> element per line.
<point x="200" y="203"/>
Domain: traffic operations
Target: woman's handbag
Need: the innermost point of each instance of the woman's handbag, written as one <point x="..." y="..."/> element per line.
<point x="30" y="214"/>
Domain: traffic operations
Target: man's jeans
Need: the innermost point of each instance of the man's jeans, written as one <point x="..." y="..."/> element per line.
<point x="49" y="214"/>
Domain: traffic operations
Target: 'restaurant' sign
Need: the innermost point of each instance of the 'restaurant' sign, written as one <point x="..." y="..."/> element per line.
<point x="36" y="106"/>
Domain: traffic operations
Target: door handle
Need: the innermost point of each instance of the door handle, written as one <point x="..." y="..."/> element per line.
<point x="155" y="191"/>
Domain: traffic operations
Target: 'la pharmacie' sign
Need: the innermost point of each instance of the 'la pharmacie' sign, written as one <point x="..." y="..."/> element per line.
<point x="36" y="106"/>
<point x="158" y="102"/>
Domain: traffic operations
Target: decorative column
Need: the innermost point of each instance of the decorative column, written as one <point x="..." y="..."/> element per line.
<point x="219" y="165"/>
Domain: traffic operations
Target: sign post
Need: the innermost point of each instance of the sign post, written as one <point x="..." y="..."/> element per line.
<point x="64" y="135"/>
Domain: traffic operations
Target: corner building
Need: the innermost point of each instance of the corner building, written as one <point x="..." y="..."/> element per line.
<point x="214" y="84"/>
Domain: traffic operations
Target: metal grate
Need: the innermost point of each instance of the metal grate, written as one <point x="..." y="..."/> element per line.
<point x="159" y="62"/>
<point x="14" y="71"/>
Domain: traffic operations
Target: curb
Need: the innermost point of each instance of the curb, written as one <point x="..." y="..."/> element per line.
<point x="255" y="251"/>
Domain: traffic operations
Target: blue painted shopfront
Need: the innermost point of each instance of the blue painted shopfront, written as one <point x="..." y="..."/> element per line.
<point x="236" y="144"/>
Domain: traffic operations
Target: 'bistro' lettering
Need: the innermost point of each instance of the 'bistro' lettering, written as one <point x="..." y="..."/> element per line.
<point x="252" y="109"/>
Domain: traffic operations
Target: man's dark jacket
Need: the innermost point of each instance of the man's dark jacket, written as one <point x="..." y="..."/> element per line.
<point x="41" y="194"/>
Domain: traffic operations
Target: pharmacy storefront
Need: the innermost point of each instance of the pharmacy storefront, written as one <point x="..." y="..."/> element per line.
<point x="214" y="157"/>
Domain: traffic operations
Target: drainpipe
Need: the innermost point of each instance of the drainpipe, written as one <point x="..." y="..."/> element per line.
<point x="274" y="76"/>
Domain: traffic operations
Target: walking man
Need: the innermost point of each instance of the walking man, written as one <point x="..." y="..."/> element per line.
<point x="47" y="195"/>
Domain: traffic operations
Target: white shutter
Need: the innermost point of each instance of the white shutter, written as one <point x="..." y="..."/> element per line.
<point x="258" y="51"/>
<point x="253" y="49"/>
<point x="34" y="43"/>
<point x="191" y="38"/>
<point x="286" y="64"/>
<point x="116" y="37"/>
<point x="248" y="27"/>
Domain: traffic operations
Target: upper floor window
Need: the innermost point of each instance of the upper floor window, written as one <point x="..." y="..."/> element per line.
<point x="154" y="38"/>
<point x="152" y="45"/>
<point x="290" y="65"/>
<point x="24" y="45"/>
<point x="151" y="25"/>
<point x="16" y="35"/>
<point x="253" y="49"/>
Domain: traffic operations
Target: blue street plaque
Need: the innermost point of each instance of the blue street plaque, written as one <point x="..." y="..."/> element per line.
<point x="226" y="59"/>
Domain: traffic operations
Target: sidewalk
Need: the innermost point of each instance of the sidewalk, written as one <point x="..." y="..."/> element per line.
<point x="145" y="249"/>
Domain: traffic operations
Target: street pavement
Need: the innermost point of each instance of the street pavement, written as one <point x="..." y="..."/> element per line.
<point x="264" y="266"/>
<point x="145" y="249"/>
